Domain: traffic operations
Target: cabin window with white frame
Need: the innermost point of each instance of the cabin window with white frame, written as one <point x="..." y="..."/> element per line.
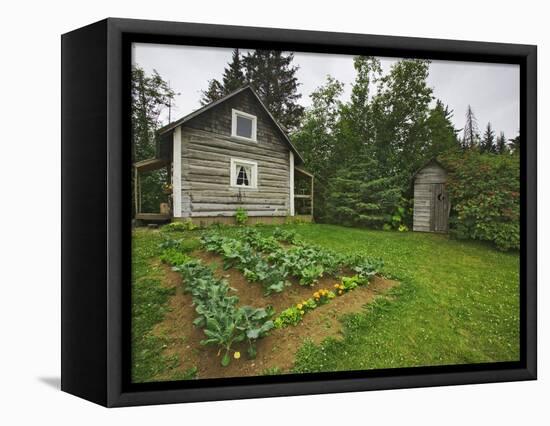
<point x="243" y="125"/>
<point x="244" y="173"/>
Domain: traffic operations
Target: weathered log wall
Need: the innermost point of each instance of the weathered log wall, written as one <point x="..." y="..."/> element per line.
<point x="207" y="150"/>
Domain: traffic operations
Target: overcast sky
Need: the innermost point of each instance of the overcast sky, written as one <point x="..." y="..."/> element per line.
<point x="491" y="89"/>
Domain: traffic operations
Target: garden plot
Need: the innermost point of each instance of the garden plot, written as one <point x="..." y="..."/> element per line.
<point x="254" y="309"/>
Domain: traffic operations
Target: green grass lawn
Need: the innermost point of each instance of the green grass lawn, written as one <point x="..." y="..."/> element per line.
<point x="458" y="302"/>
<point x="149" y="304"/>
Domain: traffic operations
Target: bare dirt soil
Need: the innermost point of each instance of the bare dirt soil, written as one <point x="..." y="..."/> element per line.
<point x="276" y="351"/>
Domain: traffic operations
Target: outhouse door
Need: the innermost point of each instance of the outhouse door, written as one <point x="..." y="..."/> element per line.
<point x="441" y="207"/>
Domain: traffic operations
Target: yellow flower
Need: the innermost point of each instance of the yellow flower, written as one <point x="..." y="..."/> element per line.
<point x="336" y="285"/>
<point x="237" y="355"/>
<point x="299" y="306"/>
<point x="302" y="312"/>
<point x="340" y="292"/>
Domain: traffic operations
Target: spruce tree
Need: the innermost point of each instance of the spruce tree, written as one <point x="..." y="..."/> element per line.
<point x="488" y="142"/>
<point x="232" y="79"/>
<point x="233" y="76"/>
<point x="471" y="132"/>
<point x="362" y="193"/>
<point x="273" y="77"/>
<point x="501" y="146"/>
<point x="214" y="92"/>
<point x="442" y="134"/>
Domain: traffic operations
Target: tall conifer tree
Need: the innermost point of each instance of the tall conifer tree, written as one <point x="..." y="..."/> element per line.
<point x="233" y="76"/>
<point x="442" y="134"/>
<point x="471" y="132"/>
<point x="501" y="144"/>
<point x="273" y="76"/>
<point x="488" y="141"/>
<point x="232" y="79"/>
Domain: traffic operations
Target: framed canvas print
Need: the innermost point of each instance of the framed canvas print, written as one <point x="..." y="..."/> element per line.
<point x="253" y="212"/>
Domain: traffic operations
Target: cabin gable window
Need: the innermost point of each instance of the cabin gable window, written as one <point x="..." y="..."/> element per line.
<point x="243" y="125"/>
<point x="244" y="173"/>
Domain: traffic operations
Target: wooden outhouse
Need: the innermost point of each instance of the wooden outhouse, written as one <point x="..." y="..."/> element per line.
<point x="227" y="155"/>
<point x="431" y="200"/>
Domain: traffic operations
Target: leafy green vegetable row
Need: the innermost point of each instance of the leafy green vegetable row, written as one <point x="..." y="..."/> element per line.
<point x="239" y="254"/>
<point x="223" y="322"/>
<point x="306" y="262"/>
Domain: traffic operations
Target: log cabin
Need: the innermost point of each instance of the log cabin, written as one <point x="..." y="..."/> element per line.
<point x="229" y="154"/>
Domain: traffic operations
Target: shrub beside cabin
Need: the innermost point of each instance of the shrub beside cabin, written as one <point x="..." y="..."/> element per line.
<point x="228" y="154"/>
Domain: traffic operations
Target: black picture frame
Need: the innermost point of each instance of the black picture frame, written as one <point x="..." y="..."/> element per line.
<point x="96" y="219"/>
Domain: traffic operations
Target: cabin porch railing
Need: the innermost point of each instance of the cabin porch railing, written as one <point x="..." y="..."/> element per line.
<point x="303" y="201"/>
